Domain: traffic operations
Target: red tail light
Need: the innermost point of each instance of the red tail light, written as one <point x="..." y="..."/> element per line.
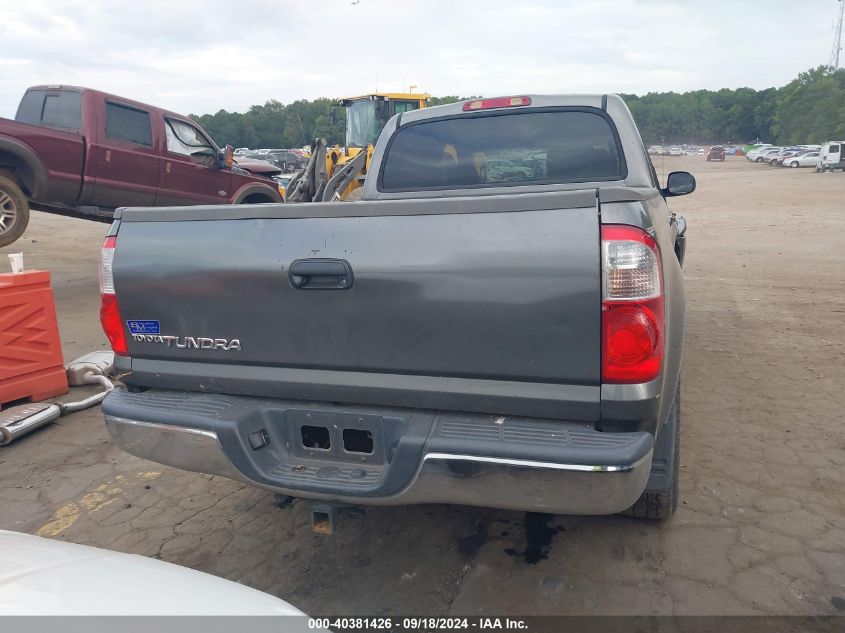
<point x="632" y="305"/>
<point x="499" y="102"/>
<point x="109" y="311"/>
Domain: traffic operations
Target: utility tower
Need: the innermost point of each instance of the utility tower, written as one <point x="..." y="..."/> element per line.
<point x="837" y="39"/>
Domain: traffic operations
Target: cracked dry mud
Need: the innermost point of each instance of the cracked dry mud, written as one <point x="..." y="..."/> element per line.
<point x="761" y="524"/>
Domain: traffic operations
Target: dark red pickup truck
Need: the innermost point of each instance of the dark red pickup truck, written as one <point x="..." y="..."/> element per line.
<point x="83" y="152"/>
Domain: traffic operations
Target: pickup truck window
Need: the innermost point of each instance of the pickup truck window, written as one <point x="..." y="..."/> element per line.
<point x="128" y="124"/>
<point x="32" y="104"/>
<point x="183" y="138"/>
<point x="59" y="109"/>
<point x="503" y="149"/>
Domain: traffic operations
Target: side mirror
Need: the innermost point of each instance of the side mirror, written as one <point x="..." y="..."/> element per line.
<point x="679" y="183"/>
<point x="227" y="157"/>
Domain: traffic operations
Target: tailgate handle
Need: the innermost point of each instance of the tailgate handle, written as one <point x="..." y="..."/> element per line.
<point x="320" y="274"/>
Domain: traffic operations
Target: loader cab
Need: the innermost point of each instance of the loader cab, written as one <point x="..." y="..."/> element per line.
<point x="367" y="115"/>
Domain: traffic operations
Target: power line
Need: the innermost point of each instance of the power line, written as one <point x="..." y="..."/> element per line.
<point x="837" y="39"/>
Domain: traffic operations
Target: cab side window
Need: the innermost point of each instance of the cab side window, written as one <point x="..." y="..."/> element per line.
<point x="183" y="138"/>
<point x="126" y="123"/>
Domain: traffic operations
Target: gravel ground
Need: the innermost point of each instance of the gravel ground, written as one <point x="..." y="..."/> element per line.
<point x="761" y="524"/>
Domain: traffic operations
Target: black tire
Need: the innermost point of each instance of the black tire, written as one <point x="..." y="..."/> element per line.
<point x="660" y="504"/>
<point x="14" y="211"/>
<point x="794" y="164"/>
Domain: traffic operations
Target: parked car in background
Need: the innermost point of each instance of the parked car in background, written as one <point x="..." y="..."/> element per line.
<point x="675" y="151"/>
<point x="756" y="147"/>
<point x="755" y="155"/>
<point x="283" y="180"/>
<point x="287" y="159"/>
<point x="717" y="152"/>
<point x="832" y="156"/>
<point x="257" y="166"/>
<point x="808" y="159"/>
<point x="40" y="576"/>
<point x="84" y="152"/>
<point x="767" y="155"/>
<point x="784" y="155"/>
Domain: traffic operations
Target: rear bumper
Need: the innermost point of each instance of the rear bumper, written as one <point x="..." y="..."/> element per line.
<point x="419" y="457"/>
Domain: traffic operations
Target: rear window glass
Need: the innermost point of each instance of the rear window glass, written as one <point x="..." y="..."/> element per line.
<point x="63" y="110"/>
<point x="128" y="124"/>
<point x="495" y="150"/>
<point x="29" y="111"/>
<point x="50" y="108"/>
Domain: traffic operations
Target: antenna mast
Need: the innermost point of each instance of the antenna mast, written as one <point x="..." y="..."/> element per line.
<point x="837" y="39"/>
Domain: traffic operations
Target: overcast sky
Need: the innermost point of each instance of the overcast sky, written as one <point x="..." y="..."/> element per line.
<point x="198" y="56"/>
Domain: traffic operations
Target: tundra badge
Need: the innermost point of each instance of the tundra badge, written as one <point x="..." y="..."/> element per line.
<point x="190" y="342"/>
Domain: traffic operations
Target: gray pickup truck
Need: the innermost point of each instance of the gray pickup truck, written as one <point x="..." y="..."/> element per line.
<point x="452" y="337"/>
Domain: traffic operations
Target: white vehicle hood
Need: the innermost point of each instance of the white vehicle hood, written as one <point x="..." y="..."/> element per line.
<point x="40" y="576"/>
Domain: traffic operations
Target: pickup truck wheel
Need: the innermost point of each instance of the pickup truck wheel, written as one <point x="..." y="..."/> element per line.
<point x="14" y="211"/>
<point x="660" y="504"/>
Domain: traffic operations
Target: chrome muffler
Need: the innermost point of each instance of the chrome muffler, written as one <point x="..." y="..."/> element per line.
<point x="24" y="418"/>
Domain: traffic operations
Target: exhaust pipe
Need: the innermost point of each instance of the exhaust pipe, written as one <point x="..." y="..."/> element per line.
<point x="90" y="369"/>
<point x="21" y="420"/>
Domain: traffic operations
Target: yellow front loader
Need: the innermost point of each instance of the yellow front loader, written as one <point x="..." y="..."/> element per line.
<point x="336" y="173"/>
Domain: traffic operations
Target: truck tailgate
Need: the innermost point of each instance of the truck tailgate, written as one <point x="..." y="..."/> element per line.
<point x="485" y="303"/>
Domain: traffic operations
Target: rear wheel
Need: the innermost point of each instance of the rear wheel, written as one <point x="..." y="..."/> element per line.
<point x="14" y="211"/>
<point x="660" y="503"/>
<point x="794" y="163"/>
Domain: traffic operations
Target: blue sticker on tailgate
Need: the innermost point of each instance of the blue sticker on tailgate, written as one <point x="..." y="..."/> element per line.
<point x="144" y="327"/>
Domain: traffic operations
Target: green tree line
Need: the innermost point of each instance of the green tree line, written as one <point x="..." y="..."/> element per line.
<point x="809" y="109"/>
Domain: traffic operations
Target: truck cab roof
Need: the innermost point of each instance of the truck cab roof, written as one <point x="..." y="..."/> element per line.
<point x="108" y="96"/>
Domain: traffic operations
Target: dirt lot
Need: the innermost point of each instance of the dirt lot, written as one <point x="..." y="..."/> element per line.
<point x="760" y="529"/>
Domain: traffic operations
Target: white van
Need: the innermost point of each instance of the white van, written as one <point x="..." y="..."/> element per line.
<point x="832" y="156"/>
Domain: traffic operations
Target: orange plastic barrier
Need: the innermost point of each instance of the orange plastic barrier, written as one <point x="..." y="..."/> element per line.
<point x="31" y="363"/>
